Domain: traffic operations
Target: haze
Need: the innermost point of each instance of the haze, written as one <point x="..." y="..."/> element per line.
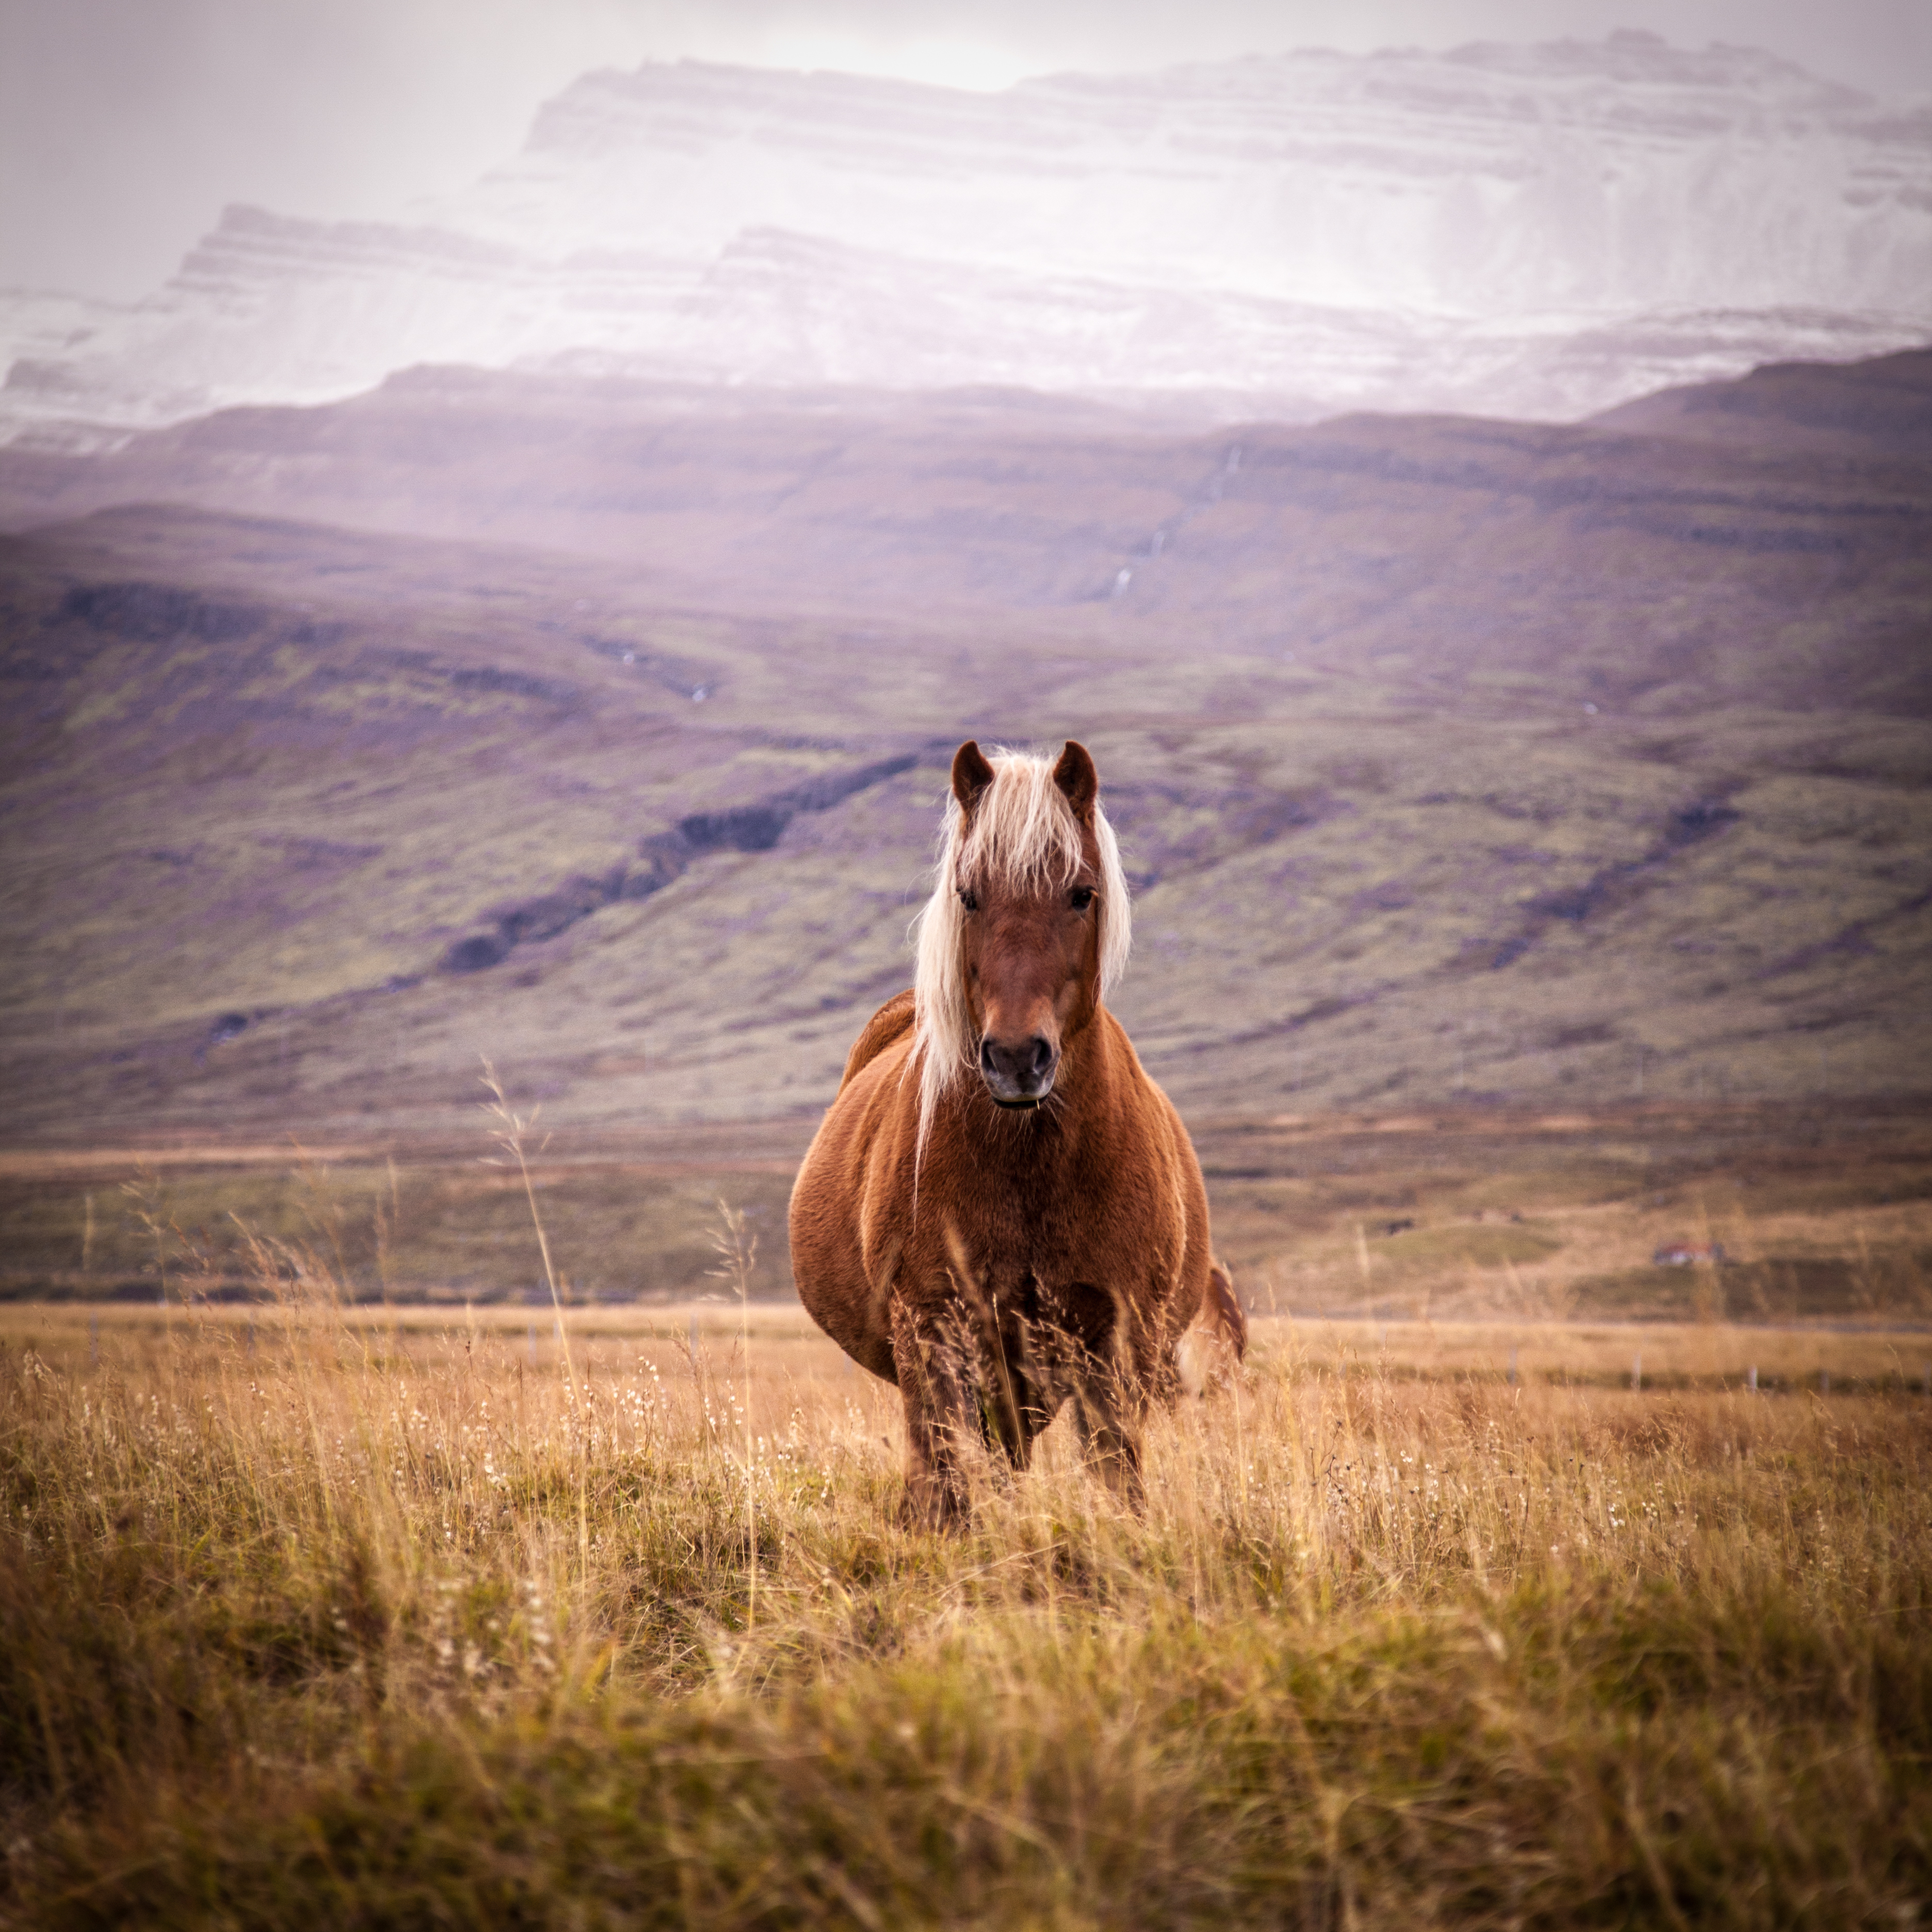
<point x="126" y="127"/>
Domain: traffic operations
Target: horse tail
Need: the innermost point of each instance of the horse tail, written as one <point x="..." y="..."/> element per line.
<point x="1215" y="1342"/>
<point x="1222" y="1308"/>
<point x="892" y="1022"/>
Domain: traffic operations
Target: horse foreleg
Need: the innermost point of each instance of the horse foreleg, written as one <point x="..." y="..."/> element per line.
<point x="939" y="1413"/>
<point x="1108" y="1414"/>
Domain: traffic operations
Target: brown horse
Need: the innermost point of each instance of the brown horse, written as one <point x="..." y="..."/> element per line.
<point x="1000" y="1212"/>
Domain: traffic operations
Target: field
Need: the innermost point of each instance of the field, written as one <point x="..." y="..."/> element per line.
<point x="423" y="1619"/>
<point x="318" y="1607"/>
<point x="1823" y="1213"/>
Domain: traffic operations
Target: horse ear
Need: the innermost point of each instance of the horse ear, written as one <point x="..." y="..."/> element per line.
<point x="971" y="775"/>
<point x="1075" y="776"/>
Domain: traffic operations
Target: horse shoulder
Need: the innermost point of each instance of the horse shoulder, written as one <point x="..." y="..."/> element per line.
<point x="1216" y="1313"/>
<point x="859" y="1169"/>
<point x="847" y="1204"/>
<point x="1154" y="1116"/>
<point x="893" y="1021"/>
<point x="1179" y="1198"/>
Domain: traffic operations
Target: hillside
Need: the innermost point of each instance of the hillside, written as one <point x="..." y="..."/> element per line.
<point x="1876" y="408"/>
<point x="1452" y="759"/>
<point x="1431" y="551"/>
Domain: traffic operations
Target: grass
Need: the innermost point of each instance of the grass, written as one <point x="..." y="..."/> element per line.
<point x="1826" y="1213"/>
<point x="118" y="1226"/>
<point x="330" y="1617"/>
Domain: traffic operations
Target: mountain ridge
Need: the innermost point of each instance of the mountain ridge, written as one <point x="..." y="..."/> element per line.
<point x="867" y="505"/>
<point x="1880" y="407"/>
<point x="1540" y="232"/>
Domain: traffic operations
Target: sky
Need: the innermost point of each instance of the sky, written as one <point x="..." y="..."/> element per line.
<point x="126" y="125"/>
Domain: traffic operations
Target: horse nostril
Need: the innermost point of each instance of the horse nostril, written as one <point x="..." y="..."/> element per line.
<point x="1023" y="1068"/>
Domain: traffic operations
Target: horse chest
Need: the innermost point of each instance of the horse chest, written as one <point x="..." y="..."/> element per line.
<point x="1107" y="1219"/>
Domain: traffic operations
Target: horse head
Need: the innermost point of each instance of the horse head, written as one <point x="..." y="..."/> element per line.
<point x="1029" y="875"/>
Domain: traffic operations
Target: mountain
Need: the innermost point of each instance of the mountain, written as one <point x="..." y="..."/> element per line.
<point x="1442" y="543"/>
<point x="1880" y="408"/>
<point x="601" y="726"/>
<point x="1533" y="232"/>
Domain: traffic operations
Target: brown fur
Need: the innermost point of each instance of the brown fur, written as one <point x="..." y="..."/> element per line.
<point x="1020" y="1259"/>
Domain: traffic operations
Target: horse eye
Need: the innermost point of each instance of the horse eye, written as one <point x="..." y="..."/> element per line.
<point x="969" y="899"/>
<point x="1082" y="897"/>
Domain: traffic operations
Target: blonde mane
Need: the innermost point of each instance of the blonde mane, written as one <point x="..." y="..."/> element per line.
<point x="1024" y="834"/>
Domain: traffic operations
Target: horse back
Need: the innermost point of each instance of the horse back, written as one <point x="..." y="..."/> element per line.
<point x="893" y="1021"/>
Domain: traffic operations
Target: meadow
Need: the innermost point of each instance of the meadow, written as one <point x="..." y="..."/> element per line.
<point x="1525" y="827"/>
<point x="312" y="1614"/>
<point x="1823" y="1211"/>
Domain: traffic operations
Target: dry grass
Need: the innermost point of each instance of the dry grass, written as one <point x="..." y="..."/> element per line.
<point x="1469" y="1214"/>
<point x="311" y="1617"/>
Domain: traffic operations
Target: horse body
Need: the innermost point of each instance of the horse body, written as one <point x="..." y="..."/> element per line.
<point x="1000" y="1246"/>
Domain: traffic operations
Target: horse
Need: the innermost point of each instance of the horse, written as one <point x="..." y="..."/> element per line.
<point x="1001" y="1213"/>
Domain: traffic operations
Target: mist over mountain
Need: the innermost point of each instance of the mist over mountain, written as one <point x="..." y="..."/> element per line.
<point x="1537" y="232"/>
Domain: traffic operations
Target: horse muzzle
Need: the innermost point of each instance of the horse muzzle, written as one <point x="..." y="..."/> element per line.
<point x="1019" y="1075"/>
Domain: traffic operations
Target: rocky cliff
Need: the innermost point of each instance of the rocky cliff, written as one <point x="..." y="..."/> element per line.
<point x="1538" y="231"/>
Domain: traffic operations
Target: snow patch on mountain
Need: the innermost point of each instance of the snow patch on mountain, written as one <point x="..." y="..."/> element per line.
<point x="1539" y="232"/>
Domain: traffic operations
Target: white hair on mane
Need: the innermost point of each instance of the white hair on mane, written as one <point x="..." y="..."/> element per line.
<point x="1023" y="833"/>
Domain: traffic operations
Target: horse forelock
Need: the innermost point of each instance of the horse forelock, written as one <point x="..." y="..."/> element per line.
<point x="1022" y="833"/>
